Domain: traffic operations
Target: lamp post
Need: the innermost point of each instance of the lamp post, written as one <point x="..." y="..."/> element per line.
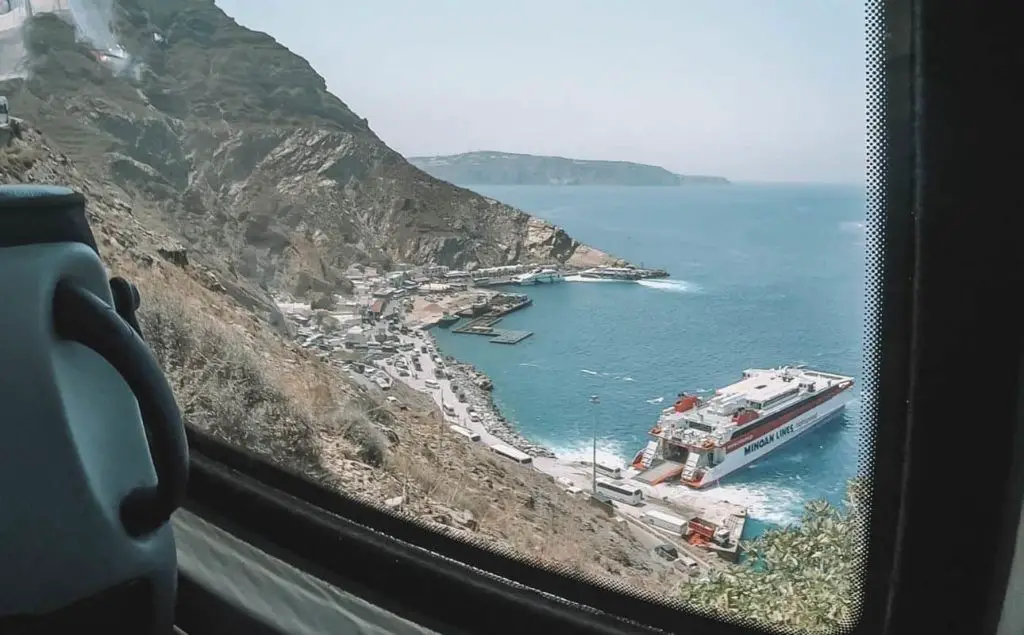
<point x="593" y="463"/>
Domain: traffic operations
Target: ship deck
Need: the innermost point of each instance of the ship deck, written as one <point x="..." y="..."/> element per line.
<point x="764" y="391"/>
<point x="660" y="473"/>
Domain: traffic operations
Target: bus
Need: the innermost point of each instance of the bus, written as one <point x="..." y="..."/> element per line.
<point x="629" y="494"/>
<point x="466" y="432"/>
<point x="671" y="523"/>
<point x="608" y="470"/>
<point x="511" y="453"/>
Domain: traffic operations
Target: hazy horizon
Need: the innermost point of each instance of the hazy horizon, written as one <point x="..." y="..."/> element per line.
<point x="751" y="91"/>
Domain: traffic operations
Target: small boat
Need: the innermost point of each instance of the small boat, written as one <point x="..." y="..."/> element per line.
<point x="447" y="320"/>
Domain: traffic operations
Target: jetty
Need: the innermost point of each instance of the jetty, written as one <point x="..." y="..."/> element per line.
<point x="511" y="337"/>
<point x="486" y="326"/>
<point x="485" y="315"/>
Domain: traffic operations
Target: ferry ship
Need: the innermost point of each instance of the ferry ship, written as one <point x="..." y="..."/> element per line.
<point x="447" y="320"/>
<point x="627" y="274"/>
<point x="610" y="273"/>
<point x="701" y="441"/>
<point x="538" y="276"/>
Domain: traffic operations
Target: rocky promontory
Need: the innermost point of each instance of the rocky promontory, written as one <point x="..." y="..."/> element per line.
<point x="506" y="168"/>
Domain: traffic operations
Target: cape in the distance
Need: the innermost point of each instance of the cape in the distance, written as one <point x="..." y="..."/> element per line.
<point x="504" y="168"/>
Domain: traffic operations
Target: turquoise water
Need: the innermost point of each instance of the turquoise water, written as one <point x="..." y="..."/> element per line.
<point x="761" y="276"/>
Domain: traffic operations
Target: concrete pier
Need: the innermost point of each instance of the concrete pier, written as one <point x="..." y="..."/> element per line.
<point x="485" y="326"/>
<point x="510" y="337"/>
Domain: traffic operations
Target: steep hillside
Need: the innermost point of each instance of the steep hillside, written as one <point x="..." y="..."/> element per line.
<point x="240" y="380"/>
<point x="239" y="149"/>
<point x="504" y="168"/>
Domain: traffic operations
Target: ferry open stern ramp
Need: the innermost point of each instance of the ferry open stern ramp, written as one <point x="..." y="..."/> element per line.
<point x="660" y="473"/>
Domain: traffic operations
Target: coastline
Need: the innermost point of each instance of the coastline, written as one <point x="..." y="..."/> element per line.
<point x="425" y="314"/>
<point x="576" y="476"/>
<point x="399" y="347"/>
<point x="493" y="420"/>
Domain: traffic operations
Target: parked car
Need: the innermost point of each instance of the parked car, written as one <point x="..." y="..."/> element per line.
<point x="667" y="551"/>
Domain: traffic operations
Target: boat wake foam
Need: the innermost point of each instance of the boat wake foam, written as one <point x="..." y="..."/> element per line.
<point x="766" y="502"/>
<point x="582" y="279"/>
<point x="608" y="452"/>
<point x="671" y="286"/>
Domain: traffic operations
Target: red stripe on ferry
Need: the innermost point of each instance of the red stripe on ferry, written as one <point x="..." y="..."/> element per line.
<point x="764" y="429"/>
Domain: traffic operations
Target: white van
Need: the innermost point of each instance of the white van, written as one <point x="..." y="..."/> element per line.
<point x="430" y="383"/>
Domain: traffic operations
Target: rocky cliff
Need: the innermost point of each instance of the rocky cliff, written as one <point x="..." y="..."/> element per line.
<point x="239" y="380"/>
<point x="505" y="168"/>
<point x="224" y="138"/>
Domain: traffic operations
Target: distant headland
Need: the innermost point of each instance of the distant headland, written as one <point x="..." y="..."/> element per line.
<point x="504" y="168"/>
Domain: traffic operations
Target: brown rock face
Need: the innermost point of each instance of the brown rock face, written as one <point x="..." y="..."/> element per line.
<point x="232" y="143"/>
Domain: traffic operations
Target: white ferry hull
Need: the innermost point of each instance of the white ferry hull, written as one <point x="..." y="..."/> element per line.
<point x="772" y="441"/>
<point x="577" y="278"/>
<point x="538" y="278"/>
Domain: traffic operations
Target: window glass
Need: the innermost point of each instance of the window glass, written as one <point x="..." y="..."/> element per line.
<point x="479" y="263"/>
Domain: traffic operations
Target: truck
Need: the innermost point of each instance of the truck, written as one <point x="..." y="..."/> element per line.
<point x="706" y="531"/>
<point x="665" y="521"/>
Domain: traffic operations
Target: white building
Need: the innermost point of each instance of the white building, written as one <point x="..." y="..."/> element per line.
<point x="433" y="288"/>
<point x="12" y="16"/>
<point x="500" y="271"/>
<point x="433" y="271"/>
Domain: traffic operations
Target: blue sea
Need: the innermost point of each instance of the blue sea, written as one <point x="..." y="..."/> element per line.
<point x="762" y="275"/>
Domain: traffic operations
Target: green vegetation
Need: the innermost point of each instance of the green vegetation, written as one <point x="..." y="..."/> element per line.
<point x="802" y="578"/>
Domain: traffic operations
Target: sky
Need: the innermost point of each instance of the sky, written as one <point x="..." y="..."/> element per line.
<point x="753" y="90"/>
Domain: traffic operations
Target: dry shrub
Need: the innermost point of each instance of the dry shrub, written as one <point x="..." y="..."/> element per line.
<point x="289" y="409"/>
<point x="222" y="387"/>
<point x="353" y="423"/>
<point x="17" y="157"/>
